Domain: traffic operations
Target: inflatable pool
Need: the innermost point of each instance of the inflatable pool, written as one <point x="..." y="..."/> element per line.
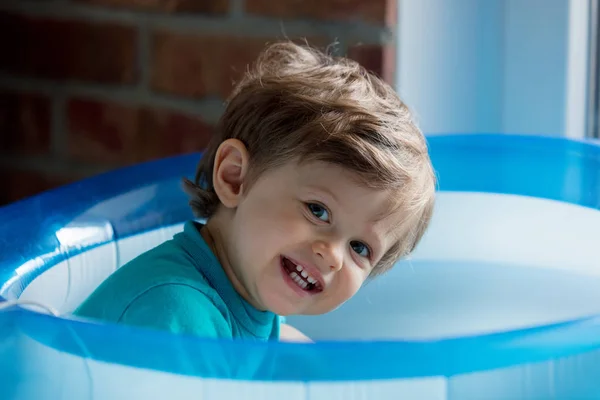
<point x="501" y="300"/>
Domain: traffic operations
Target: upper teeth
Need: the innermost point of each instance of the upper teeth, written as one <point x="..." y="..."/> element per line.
<point x="305" y="274"/>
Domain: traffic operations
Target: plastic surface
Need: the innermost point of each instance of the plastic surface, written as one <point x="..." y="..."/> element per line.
<point x="61" y="235"/>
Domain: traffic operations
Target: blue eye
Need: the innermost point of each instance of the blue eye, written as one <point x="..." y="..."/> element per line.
<point x="360" y="248"/>
<point x="319" y="211"/>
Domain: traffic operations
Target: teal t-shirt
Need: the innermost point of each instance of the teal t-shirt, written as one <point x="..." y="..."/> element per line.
<point x="179" y="286"/>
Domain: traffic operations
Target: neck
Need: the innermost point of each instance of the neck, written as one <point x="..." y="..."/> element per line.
<point x="216" y="232"/>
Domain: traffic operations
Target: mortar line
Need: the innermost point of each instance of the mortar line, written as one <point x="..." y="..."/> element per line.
<point x="208" y="108"/>
<point x="234" y="23"/>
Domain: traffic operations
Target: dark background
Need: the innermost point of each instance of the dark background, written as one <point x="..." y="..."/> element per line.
<point x="87" y="86"/>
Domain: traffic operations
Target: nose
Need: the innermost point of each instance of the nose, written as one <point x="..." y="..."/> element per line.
<point x="330" y="256"/>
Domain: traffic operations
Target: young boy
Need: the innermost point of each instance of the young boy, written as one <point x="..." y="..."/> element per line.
<point x="315" y="180"/>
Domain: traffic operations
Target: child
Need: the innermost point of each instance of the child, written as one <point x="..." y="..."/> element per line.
<point x="315" y="180"/>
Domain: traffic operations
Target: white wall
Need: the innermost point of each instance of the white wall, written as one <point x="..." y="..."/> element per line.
<point x="473" y="66"/>
<point x="449" y="55"/>
<point x="535" y="62"/>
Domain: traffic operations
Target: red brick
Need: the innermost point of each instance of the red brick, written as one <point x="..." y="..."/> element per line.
<point x="197" y="66"/>
<point x="18" y="184"/>
<point x="118" y="134"/>
<point x="63" y="49"/>
<point x="378" y="59"/>
<point x="166" y="133"/>
<point x="24" y="123"/>
<point x="101" y="132"/>
<point x="374" y="11"/>
<point x="212" y="7"/>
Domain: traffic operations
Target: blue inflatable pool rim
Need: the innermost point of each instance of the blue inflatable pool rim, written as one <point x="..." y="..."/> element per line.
<point x="561" y="169"/>
<point x="323" y="361"/>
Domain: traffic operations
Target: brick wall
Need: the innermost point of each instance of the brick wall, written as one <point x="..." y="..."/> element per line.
<point x="91" y="85"/>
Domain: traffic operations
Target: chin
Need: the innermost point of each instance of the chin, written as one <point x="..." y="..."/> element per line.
<point x="286" y="308"/>
<point x="283" y="307"/>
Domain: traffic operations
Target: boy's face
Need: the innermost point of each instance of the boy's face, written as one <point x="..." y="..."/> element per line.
<point x="304" y="238"/>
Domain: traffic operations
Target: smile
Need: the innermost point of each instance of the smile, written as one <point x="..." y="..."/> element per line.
<point x="300" y="276"/>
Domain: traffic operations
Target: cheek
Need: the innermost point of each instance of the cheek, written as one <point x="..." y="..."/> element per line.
<point x="275" y="216"/>
<point x="264" y="228"/>
<point x="346" y="285"/>
<point x="350" y="282"/>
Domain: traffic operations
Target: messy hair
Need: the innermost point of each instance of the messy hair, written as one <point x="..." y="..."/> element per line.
<point x="300" y="104"/>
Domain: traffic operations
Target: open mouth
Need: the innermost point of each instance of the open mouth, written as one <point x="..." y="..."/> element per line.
<point x="300" y="276"/>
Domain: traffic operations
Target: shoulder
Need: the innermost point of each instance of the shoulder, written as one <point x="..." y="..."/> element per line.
<point x="178" y="308"/>
<point x="164" y="264"/>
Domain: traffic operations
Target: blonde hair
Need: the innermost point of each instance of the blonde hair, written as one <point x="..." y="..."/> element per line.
<point x="298" y="103"/>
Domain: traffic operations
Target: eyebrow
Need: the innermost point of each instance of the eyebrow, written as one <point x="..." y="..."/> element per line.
<point x="328" y="192"/>
<point x="398" y="229"/>
<point x="394" y="205"/>
<point x="373" y="235"/>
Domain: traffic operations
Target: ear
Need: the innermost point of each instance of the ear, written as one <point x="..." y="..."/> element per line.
<point x="229" y="171"/>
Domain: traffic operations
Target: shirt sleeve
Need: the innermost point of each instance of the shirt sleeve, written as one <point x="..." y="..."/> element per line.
<point x="177" y="308"/>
